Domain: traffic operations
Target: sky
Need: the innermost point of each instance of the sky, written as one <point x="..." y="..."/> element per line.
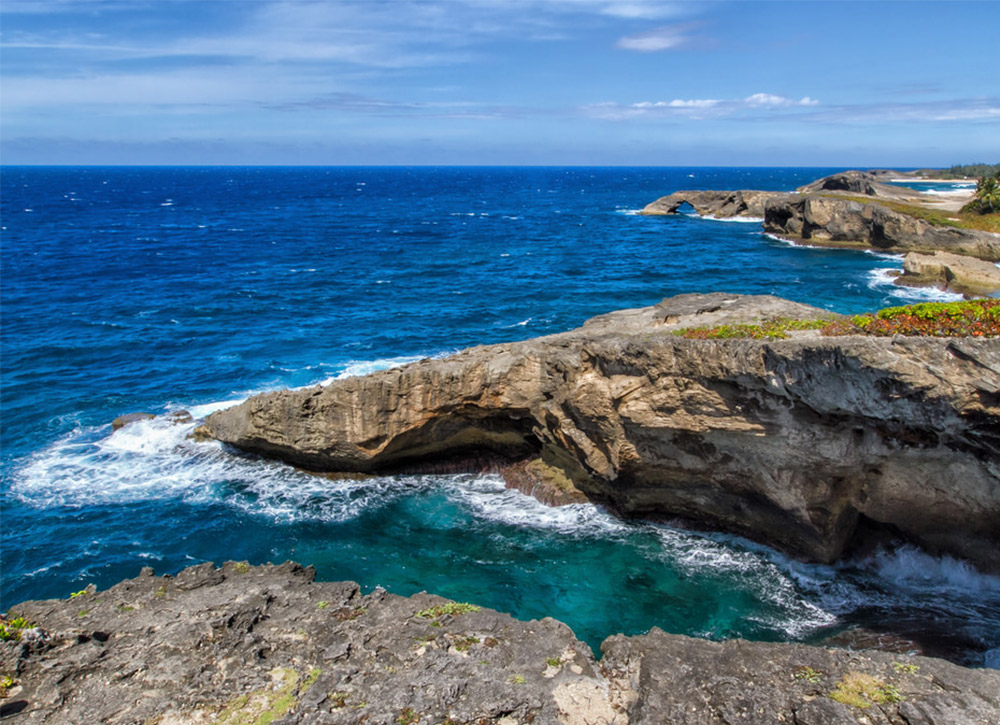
<point x="500" y="82"/>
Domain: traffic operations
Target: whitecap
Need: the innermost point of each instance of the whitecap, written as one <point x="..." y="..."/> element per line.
<point x="522" y="323"/>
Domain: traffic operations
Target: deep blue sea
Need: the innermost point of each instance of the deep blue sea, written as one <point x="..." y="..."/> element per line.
<point x="159" y="289"/>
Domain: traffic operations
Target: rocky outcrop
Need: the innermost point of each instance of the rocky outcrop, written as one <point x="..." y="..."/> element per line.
<point x="246" y="644"/>
<point x="793" y="442"/>
<point x="827" y="212"/>
<point x="865" y="183"/>
<point x="832" y="221"/>
<point x="950" y="272"/>
<point x="718" y="204"/>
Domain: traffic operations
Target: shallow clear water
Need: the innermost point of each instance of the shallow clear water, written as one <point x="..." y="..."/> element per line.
<point x="159" y="289"/>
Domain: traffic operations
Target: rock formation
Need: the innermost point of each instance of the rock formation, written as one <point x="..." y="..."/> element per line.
<point x="864" y="183"/>
<point x="827" y="212"/>
<point x="951" y="272"/>
<point x="246" y="644"/>
<point x="719" y="204"/>
<point x="799" y="443"/>
<point x="836" y="222"/>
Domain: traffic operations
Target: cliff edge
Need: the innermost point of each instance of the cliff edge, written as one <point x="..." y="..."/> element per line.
<point x="267" y="644"/>
<point x="802" y="443"/>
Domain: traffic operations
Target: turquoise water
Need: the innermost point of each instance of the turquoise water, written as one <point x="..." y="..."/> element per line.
<point x="162" y="289"/>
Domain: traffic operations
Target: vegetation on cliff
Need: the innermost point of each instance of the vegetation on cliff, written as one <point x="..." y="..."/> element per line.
<point x="972" y="318"/>
<point x="961" y="171"/>
<point x="967" y="218"/>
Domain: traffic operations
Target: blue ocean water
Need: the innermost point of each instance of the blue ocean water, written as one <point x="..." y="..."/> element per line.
<point x="159" y="289"/>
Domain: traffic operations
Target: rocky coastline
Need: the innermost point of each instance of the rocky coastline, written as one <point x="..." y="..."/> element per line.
<point x="268" y="644"/>
<point x="810" y="444"/>
<point x="857" y="210"/>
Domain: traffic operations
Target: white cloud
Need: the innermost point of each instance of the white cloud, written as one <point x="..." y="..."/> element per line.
<point x="696" y="107"/>
<point x="769" y="99"/>
<point x="657" y="39"/>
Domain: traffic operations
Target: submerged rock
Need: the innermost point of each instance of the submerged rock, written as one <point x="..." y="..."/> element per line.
<point x="802" y="443"/>
<point x="268" y="644"/>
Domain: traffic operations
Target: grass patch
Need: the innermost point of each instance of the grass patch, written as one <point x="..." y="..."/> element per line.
<point x="452" y="608"/>
<point x="904" y="668"/>
<point x="774" y="329"/>
<point x="464" y="644"/>
<point x="10" y="629"/>
<point x="808" y="674"/>
<point x="553" y="662"/>
<point x="862" y="691"/>
<point x="970" y="318"/>
<point x="936" y="217"/>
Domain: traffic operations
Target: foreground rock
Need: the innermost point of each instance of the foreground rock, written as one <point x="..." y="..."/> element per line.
<point x="246" y="644"/>
<point x="802" y="443"/>
<point x="950" y="272"/>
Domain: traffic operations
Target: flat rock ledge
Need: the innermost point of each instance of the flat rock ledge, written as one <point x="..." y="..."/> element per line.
<point x="808" y="444"/>
<point x="259" y="644"/>
<point x="950" y="272"/>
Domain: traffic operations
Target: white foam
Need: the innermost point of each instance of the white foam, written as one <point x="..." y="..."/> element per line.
<point x="885" y="255"/>
<point x="789" y="242"/>
<point x="489" y="499"/>
<point x="522" y="323"/>
<point x="357" y="368"/>
<point x="737" y="219"/>
<point x="882" y="280"/>
<point x="155" y="460"/>
<point x="913" y="570"/>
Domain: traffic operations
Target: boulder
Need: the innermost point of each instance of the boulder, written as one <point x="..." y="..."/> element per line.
<point x="269" y="644"/>
<point x="952" y="272"/>
<point x="800" y="443"/>
<point x="123" y="420"/>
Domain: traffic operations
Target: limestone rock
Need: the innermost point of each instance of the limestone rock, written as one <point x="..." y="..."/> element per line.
<point x="789" y="442"/>
<point x="951" y="272"/>
<point x="719" y="204"/>
<point x="865" y="183"/>
<point x="268" y="644"/>
<point x="830" y="221"/>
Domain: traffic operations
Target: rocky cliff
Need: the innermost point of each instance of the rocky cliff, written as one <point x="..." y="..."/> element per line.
<point x="800" y="443"/>
<point x="843" y="222"/>
<point x="264" y="644"/>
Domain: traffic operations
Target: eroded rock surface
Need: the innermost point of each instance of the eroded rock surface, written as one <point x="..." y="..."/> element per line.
<point x="719" y="204"/>
<point x="246" y="644"/>
<point x="827" y="212"/>
<point x="791" y="442"/>
<point x="951" y="272"/>
<point x="830" y="221"/>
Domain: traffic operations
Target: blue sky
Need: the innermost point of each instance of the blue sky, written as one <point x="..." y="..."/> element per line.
<point x="592" y="82"/>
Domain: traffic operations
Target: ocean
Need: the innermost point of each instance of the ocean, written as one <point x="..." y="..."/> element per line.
<point x="164" y="289"/>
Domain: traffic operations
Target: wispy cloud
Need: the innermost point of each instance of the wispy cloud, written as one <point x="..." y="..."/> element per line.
<point x="696" y="107"/>
<point x="767" y="106"/>
<point x="666" y="37"/>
